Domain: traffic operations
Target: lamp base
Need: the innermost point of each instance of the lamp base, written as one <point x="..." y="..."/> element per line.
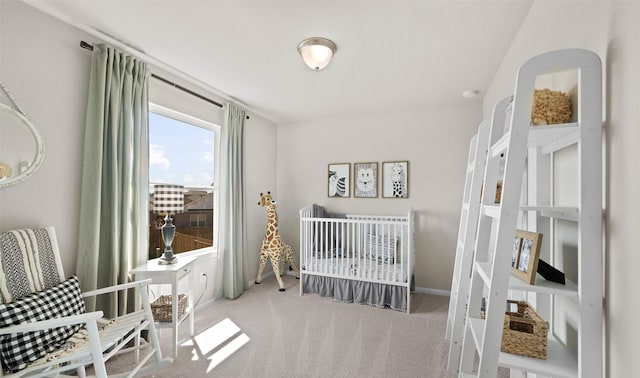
<point x="167" y="261"/>
<point x="168" y="232"/>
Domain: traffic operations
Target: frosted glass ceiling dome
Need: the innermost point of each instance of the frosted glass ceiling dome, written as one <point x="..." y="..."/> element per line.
<point x="317" y="52"/>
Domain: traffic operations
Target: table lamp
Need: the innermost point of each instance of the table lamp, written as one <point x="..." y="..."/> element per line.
<point x="167" y="200"/>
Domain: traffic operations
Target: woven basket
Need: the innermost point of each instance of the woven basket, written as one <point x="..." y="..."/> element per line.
<point x="161" y="307"/>
<point x="550" y="107"/>
<point x="498" y="192"/>
<point x="524" y="332"/>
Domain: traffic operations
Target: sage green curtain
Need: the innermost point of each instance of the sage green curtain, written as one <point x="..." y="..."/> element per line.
<point x="233" y="182"/>
<point x="113" y="235"/>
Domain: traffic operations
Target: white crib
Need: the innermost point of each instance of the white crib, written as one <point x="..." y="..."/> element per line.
<point x="357" y="258"/>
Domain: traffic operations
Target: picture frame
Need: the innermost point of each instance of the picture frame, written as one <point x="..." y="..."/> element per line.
<point x="395" y="179"/>
<point x="365" y="180"/>
<point x="525" y="256"/>
<point x="339" y="180"/>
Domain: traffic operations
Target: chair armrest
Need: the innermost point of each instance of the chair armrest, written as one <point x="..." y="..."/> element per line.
<point x="110" y="289"/>
<point x="53" y="323"/>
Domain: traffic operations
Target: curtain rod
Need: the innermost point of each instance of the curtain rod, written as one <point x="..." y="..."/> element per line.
<point x="88" y="46"/>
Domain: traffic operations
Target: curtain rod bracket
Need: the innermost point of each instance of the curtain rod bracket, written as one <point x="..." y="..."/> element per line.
<point x="86" y="45"/>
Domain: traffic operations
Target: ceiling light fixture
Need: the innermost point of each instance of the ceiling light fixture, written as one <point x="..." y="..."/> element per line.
<point x="317" y="52"/>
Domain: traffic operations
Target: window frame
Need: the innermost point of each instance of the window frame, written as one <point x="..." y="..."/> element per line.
<point x="198" y="122"/>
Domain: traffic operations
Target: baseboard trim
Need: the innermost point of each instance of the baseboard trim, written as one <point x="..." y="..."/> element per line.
<point x="207" y="303"/>
<point x="428" y="290"/>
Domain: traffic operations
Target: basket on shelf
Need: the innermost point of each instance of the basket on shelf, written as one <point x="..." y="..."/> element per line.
<point x="498" y="192"/>
<point x="524" y="332"/>
<point x="161" y="307"/>
<point x="550" y="107"/>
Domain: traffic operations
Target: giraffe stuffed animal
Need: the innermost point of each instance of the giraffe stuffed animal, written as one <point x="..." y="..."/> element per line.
<point x="272" y="246"/>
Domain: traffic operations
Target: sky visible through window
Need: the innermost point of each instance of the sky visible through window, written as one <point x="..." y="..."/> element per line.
<point x="180" y="153"/>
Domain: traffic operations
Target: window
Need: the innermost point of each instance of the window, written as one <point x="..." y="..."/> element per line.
<point x="182" y="151"/>
<point x="198" y="220"/>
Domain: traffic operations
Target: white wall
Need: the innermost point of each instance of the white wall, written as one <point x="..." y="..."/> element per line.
<point x="612" y="30"/>
<point x="48" y="73"/>
<point x="435" y="141"/>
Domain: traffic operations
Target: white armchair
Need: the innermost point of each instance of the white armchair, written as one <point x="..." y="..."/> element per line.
<point x="44" y="329"/>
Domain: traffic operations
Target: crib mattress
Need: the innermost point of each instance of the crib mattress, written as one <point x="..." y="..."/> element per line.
<point x="357" y="268"/>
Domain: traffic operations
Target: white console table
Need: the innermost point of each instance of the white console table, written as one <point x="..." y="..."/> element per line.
<point x="171" y="275"/>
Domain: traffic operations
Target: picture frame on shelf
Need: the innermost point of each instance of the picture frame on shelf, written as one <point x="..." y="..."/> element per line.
<point x="365" y="177"/>
<point x="339" y="177"/>
<point x="526" y="254"/>
<point x="516" y="250"/>
<point x="395" y="179"/>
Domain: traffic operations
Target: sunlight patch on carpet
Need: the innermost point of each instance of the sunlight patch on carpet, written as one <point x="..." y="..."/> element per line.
<point x="225" y="336"/>
<point x="216" y="335"/>
<point x="227" y="351"/>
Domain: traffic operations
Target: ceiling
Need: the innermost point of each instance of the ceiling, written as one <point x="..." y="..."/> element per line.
<point x="391" y="54"/>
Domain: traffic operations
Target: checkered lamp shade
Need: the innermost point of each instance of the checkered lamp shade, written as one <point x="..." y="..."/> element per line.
<point x="168" y="199"/>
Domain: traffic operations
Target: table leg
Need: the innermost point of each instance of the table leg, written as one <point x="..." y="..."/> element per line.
<point x="174" y="317"/>
<point x="192" y="313"/>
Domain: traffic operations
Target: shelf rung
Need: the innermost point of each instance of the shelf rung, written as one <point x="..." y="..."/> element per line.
<point x="484" y="270"/>
<point x="477" y="331"/>
<point x="492" y="211"/>
<point x="500" y="146"/>
<point x="551" y="138"/>
<point x="570" y="289"/>
<point x="560" y="361"/>
<point x="564" y="213"/>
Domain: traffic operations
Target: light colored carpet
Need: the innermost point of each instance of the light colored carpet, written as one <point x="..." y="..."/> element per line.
<point x="267" y="333"/>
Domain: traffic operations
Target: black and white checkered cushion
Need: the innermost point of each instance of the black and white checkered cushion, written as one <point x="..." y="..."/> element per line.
<point x="19" y="349"/>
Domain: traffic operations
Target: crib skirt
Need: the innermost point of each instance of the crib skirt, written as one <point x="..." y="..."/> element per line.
<point x="352" y="291"/>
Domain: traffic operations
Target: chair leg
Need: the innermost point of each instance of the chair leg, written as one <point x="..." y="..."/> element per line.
<point x="96" y="350"/>
<point x="136" y="343"/>
<point x="153" y="332"/>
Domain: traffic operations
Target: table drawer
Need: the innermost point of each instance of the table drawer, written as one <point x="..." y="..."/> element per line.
<point x="185" y="270"/>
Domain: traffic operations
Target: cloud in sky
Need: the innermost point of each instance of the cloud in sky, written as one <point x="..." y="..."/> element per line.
<point x="208" y="156"/>
<point x="207" y="178"/>
<point x="157" y="156"/>
<point x="180" y="153"/>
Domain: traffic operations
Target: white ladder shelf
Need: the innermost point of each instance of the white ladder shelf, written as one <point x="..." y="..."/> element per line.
<point x="491" y="277"/>
<point x="464" y="246"/>
<point x="467" y="234"/>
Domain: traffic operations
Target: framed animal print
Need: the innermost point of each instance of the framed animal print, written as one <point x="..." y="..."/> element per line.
<point x="526" y="253"/>
<point x="365" y="177"/>
<point x="339" y="176"/>
<point x="395" y="179"/>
